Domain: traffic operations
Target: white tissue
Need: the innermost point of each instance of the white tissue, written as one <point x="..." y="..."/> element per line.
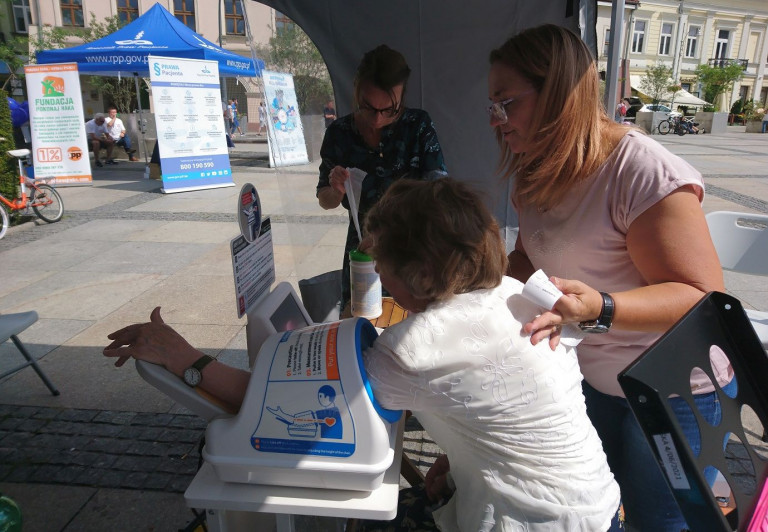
<point x="353" y="186"/>
<point x="542" y="292"/>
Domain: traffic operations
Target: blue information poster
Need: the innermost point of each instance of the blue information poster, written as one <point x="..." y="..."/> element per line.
<point x="190" y="124"/>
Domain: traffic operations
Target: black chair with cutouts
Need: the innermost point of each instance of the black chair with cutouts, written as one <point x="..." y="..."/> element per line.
<point x="664" y="371"/>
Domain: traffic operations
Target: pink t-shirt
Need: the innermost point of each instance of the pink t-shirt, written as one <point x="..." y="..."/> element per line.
<point x="584" y="238"/>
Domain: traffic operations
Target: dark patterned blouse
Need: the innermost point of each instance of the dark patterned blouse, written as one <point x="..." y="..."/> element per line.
<point x="408" y="148"/>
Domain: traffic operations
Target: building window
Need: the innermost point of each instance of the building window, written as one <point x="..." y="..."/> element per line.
<point x="692" y="41"/>
<point x="721" y="45"/>
<point x="665" y="39"/>
<point x="233" y="13"/>
<point x="184" y="10"/>
<point x="607" y="43"/>
<point x="638" y="36"/>
<point x="21" y="15"/>
<point x="282" y="22"/>
<point x="127" y="10"/>
<point x="72" y="13"/>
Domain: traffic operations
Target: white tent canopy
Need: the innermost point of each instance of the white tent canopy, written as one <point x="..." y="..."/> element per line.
<point x="683" y="97"/>
<point x="446" y="44"/>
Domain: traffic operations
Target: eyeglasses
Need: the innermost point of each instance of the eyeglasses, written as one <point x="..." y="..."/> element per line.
<point x="498" y="110"/>
<point x="388" y="112"/>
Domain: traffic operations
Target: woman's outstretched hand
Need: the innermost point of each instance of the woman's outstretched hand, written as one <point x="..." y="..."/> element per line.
<point x="578" y="303"/>
<point x="154" y="342"/>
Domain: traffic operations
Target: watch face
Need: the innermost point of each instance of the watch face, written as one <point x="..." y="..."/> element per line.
<point x="192" y="376"/>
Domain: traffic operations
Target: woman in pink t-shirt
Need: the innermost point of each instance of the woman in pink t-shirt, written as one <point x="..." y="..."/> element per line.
<point x="617" y="220"/>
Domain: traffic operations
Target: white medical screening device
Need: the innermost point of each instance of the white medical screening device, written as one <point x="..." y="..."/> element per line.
<point x="309" y="417"/>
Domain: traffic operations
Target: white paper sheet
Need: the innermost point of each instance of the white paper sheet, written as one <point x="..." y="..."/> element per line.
<point x="542" y="292"/>
<point x="353" y="186"/>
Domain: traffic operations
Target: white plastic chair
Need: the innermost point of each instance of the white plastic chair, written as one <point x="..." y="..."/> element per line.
<point x="10" y="326"/>
<point x="741" y="241"/>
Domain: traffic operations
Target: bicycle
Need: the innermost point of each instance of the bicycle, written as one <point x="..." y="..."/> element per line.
<point x="673" y="123"/>
<point x="44" y="200"/>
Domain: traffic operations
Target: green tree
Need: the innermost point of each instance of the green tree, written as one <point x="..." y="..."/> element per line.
<point x="8" y="170"/>
<point x="718" y="80"/>
<point x="120" y="91"/>
<point x="291" y="50"/>
<point x="656" y="81"/>
<point x="13" y="56"/>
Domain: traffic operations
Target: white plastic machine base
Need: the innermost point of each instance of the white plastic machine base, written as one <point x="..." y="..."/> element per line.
<point x="226" y="501"/>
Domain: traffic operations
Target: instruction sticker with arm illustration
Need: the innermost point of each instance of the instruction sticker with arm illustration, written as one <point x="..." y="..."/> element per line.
<point x="304" y="409"/>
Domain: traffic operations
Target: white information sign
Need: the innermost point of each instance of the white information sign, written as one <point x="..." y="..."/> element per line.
<point x="60" y="147"/>
<point x="286" y="134"/>
<point x="253" y="264"/>
<point x="190" y="124"/>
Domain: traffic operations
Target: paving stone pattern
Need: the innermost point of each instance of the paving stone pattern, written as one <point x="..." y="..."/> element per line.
<point x="125" y="450"/>
<point x="109" y="449"/>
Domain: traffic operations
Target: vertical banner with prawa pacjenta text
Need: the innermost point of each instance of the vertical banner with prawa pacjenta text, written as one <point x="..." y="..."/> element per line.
<point x="57" y="124"/>
<point x="190" y="124"/>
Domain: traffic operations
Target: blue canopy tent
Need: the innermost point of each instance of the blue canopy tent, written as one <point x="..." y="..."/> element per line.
<point x="156" y="32"/>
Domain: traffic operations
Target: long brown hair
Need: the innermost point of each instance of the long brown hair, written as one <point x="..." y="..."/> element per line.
<point x="568" y="133"/>
<point x="437" y="237"/>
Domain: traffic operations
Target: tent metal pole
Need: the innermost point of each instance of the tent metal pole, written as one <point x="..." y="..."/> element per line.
<point x="614" y="47"/>
<point x="141" y="118"/>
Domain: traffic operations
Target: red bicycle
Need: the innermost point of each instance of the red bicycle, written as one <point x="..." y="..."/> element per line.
<point x="42" y="198"/>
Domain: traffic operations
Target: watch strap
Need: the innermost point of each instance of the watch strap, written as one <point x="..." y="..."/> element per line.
<point x="606" y="314"/>
<point x="201" y="362"/>
<point x="604" y="320"/>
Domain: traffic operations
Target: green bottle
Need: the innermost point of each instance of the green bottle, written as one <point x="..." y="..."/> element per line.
<point x="10" y="515"/>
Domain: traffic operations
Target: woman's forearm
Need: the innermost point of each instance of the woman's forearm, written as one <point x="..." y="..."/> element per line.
<point x="654" y="308"/>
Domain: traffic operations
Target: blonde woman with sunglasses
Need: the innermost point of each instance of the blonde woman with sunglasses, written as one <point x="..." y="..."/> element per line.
<point x="617" y="220"/>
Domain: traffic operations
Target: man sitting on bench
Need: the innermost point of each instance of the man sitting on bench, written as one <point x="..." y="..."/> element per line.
<point x="98" y="138"/>
<point x="116" y="130"/>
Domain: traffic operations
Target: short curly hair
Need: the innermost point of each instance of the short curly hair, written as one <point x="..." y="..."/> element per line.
<point x="437" y="237"/>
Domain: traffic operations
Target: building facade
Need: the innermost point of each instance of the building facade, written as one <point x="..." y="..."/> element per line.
<point x="222" y="22"/>
<point x="682" y="34"/>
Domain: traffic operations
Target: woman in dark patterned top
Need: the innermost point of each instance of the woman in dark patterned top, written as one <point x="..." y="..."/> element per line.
<point x="382" y="137"/>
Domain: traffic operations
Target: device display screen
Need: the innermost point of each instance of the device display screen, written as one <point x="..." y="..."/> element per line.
<point x="288" y="316"/>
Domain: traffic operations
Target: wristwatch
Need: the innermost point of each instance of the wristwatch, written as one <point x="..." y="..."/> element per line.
<point x="603" y="321"/>
<point x="193" y="375"/>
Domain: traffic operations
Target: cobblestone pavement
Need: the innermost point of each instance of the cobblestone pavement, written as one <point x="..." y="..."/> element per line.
<point x="128" y="450"/>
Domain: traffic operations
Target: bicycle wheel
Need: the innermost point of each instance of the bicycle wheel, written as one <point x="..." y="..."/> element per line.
<point x="681" y="130"/>
<point x="664" y="127"/>
<point x="4" y="221"/>
<point x="47" y="203"/>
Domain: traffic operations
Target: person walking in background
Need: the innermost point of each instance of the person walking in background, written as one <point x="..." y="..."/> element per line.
<point x="262" y="117"/>
<point x="621" y="110"/>
<point x="615" y="219"/>
<point x="228" y="117"/>
<point x="329" y="113"/>
<point x="235" y="119"/>
<point x="116" y="130"/>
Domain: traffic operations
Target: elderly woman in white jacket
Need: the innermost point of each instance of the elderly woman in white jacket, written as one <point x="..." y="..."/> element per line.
<point x="521" y="453"/>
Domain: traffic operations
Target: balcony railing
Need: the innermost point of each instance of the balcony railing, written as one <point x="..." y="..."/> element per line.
<point x="722" y="63"/>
